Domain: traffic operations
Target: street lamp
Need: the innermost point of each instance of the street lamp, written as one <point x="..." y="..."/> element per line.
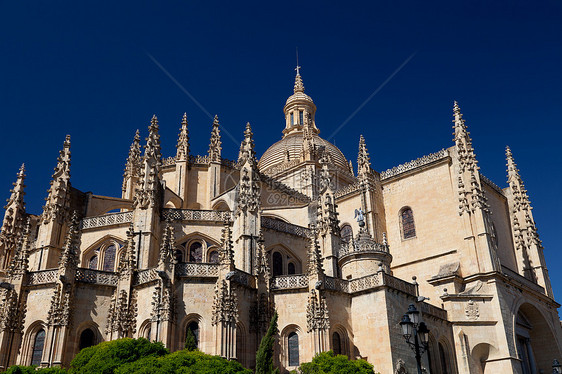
<point x="411" y="325"/>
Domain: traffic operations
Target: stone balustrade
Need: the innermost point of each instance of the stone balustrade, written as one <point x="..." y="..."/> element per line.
<point x="104" y="278"/>
<point x="197" y="270"/>
<point x="287" y="282"/>
<point x="289" y="228"/>
<point x="195" y="215"/>
<point x="106" y="220"/>
<point x="35" y="278"/>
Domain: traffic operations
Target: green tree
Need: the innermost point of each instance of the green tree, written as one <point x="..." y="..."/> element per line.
<point x="328" y="363"/>
<point x="264" y="356"/>
<point x="183" y="362"/>
<point x="190" y="342"/>
<point x="34" y="370"/>
<point x="105" y="357"/>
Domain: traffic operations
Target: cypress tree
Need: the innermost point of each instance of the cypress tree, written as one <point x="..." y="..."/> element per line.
<point x="264" y="356"/>
<point x="190" y="342"/>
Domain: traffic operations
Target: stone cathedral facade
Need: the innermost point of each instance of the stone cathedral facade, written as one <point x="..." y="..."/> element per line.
<point x="214" y="246"/>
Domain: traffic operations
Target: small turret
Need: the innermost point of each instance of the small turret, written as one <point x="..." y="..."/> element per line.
<point x="12" y="225"/>
<point x="147" y="187"/>
<point x="183" y="140"/>
<point x="215" y="145"/>
<point x="58" y="200"/>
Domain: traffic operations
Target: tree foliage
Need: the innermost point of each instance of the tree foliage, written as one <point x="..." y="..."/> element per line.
<point x="34" y="370"/>
<point x="105" y="357"/>
<point x="183" y="362"/>
<point x="190" y="341"/>
<point x="264" y="356"/>
<point x="328" y="363"/>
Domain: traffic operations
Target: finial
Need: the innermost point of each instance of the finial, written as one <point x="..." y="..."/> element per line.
<point x="299" y="86"/>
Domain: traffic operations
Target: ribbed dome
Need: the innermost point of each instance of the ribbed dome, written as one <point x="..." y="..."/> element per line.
<point x="293" y="145"/>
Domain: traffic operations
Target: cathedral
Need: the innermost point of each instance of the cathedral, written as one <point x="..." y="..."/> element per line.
<point x="340" y="250"/>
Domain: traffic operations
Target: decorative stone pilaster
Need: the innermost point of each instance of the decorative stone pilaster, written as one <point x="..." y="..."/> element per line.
<point x="224" y="318"/>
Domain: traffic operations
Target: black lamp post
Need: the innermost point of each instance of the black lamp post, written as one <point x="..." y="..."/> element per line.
<point x="411" y="326"/>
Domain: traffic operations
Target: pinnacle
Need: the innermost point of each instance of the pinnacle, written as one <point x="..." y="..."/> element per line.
<point x="299" y="86"/>
<point x="22" y="169"/>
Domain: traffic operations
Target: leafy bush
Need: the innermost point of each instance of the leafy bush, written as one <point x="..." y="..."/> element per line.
<point x="183" y="362"/>
<point x="105" y="357"/>
<point x="328" y="363"/>
<point x="34" y="370"/>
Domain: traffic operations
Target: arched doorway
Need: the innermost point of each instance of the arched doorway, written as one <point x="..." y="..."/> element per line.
<point x="87" y="339"/>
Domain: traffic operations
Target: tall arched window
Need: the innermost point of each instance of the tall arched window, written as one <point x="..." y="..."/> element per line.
<point x="194" y="327"/>
<point x="291" y="268"/>
<point x="93" y="263"/>
<point x="214" y="257"/>
<point x="336" y="343"/>
<point x="109" y="258"/>
<point x="87" y="339"/>
<point x="38" y="347"/>
<point x="444" y="359"/>
<point x="346" y="234"/>
<point x="196" y="252"/>
<point x="179" y="255"/>
<point x="277" y="264"/>
<point x="293" y="351"/>
<point x="407" y="222"/>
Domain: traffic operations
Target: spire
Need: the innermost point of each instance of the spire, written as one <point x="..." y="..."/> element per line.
<point x="167" y="247"/>
<point x="363" y="159"/>
<point x="20" y="262"/>
<point x="215" y="145"/>
<point x="148" y="184"/>
<point x="12" y="225"/>
<point x="520" y="197"/>
<point x="69" y="256"/>
<point x="247" y="151"/>
<point x="132" y="167"/>
<point x="58" y="201"/>
<point x="299" y="86"/>
<point x="226" y="254"/>
<point x="127" y="262"/>
<point x="183" y="141"/>
<point x="463" y="142"/>
<point x="314" y="256"/>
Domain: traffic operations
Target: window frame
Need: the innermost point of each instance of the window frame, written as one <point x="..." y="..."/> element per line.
<point x="401" y="222"/>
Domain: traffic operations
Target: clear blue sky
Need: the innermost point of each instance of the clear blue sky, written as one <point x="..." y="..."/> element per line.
<point x="83" y="68"/>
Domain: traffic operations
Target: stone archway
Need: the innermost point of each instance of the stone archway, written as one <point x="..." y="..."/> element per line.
<point x="535" y="342"/>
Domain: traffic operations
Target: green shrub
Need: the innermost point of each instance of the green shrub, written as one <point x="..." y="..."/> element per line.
<point x="105" y="357"/>
<point x="183" y="362"/>
<point x="328" y="363"/>
<point x="33" y="370"/>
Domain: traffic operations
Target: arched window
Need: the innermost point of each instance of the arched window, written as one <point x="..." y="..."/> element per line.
<point x="407" y="221"/>
<point x="214" y="257"/>
<point x="196" y="252"/>
<point x="444" y="359"/>
<point x="277" y="264"/>
<point x="291" y="269"/>
<point x="87" y="339"/>
<point x="293" y="351"/>
<point x="109" y="258"/>
<point x="38" y="348"/>
<point x="194" y="328"/>
<point x="179" y="255"/>
<point x="346" y="234"/>
<point x="93" y="263"/>
<point x="336" y="343"/>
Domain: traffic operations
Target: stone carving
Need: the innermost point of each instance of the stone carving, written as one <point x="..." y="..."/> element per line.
<point x="148" y="184"/>
<point x="121" y="319"/>
<point x="401" y="367"/>
<point x="162" y="305"/>
<point x="12" y="312"/>
<point x="226" y="252"/>
<point x="419" y="162"/>
<point x="106" y="220"/>
<point x="215" y="146"/>
<point x="363" y="159"/>
<point x="225" y="305"/>
<point x="20" y="262"/>
<point x="472" y="311"/>
<point x="197" y="270"/>
<point x="128" y="261"/>
<point x="167" y="257"/>
<point x="314" y="255"/>
<point x="285" y="282"/>
<point x="249" y="191"/>
<point x="317" y="317"/>
<point x="14" y="219"/>
<point x="60" y="309"/>
<point x="146" y="276"/>
<point x="35" y="278"/>
<point x="195" y="215"/>
<point x="183" y="141"/>
<point x="69" y="256"/>
<point x="97" y="277"/>
<point x="58" y="200"/>
<point x="289" y="228"/>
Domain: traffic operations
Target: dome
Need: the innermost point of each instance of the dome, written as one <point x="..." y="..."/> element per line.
<point x="292" y="144"/>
